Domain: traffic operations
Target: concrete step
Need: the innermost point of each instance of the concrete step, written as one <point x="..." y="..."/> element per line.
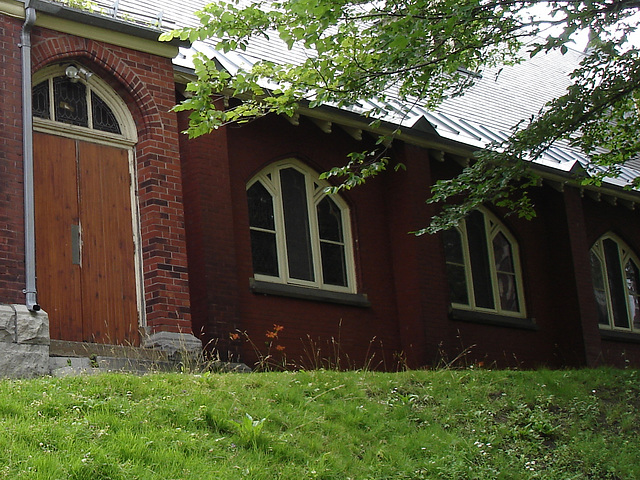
<point x="79" y="358"/>
<point x="65" y="366"/>
<point x="62" y="348"/>
<point x="135" y="364"/>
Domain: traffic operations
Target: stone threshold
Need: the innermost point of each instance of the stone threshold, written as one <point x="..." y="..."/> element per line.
<point x="63" y="348"/>
<point x="80" y="358"/>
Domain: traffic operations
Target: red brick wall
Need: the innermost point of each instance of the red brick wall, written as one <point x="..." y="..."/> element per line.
<point x="554" y="291"/>
<point x="145" y="82"/>
<point x="210" y="240"/>
<point x="417" y="262"/>
<point x="12" y="279"/>
<point x="550" y="293"/>
<point x="403" y="275"/>
<point x="312" y="329"/>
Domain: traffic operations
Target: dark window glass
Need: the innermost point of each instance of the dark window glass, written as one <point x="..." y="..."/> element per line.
<point x="505" y="271"/>
<point x="321" y="260"/>
<point x="616" y="286"/>
<point x="508" y="292"/>
<point x="633" y="283"/>
<point x="264" y="252"/>
<point x="453" y="246"/>
<point x="455" y="266"/>
<point x="334" y="270"/>
<point x="457" y="284"/>
<point x="479" y="259"/>
<point x="329" y="221"/>
<point x="493" y="277"/>
<point x="260" y="207"/>
<point x="502" y="254"/>
<point x="40" y="100"/>
<point x="296" y="224"/>
<point x="599" y="290"/>
<point x="70" y="101"/>
<point x="103" y="117"/>
<point x="263" y="235"/>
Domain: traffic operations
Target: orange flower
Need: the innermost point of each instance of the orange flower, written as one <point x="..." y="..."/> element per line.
<point x="280" y="348"/>
<point x="274" y="333"/>
<point x="234" y="336"/>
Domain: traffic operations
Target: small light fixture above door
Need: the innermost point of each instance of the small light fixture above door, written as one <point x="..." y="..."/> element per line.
<point x="74" y="73"/>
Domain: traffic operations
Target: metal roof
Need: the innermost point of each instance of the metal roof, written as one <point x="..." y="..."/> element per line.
<point x="499" y="99"/>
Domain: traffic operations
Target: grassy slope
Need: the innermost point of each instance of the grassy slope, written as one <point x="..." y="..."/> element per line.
<point x="465" y="424"/>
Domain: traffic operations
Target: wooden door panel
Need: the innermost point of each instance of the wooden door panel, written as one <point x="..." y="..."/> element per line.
<point x="108" y="270"/>
<point x="89" y="293"/>
<point x="56" y="201"/>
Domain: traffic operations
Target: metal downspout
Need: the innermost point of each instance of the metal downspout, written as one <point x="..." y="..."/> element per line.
<point x="27" y="152"/>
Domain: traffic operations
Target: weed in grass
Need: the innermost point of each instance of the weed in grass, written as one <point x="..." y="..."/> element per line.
<point x="270" y="358"/>
<point x="248" y="430"/>
<point x="317" y="353"/>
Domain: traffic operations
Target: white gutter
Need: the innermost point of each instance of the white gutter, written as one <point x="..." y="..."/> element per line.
<point x="27" y="158"/>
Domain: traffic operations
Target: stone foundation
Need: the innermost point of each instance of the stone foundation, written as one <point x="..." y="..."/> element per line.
<point x="174" y="343"/>
<point x="25" y="348"/>
<point x="24" y="342"/>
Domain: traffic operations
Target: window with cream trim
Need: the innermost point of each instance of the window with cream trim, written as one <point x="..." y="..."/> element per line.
<point x="483" y="267"/>
<point x="299" y="235"/>
<point x="616" y="284"/>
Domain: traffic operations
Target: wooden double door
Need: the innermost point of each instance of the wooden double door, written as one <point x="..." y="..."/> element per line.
<point x="85" y="257"/>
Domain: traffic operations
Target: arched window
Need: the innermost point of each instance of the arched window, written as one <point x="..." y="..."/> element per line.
<point x="69" y="99"/>
<point x="483" y="267"/>
<point x="616" y="284"/>
<point x="299" y="235"/>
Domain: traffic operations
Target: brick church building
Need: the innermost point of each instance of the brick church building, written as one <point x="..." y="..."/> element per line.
<point x="116" y="229"/>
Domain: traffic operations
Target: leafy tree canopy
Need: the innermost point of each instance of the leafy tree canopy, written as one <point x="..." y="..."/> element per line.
<point x="418" y="51"/>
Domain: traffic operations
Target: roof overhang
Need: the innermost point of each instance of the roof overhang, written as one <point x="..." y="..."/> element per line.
<point x="559" y="169"/>
<point x="554" y="176"/>
<point x="87" y="24"/>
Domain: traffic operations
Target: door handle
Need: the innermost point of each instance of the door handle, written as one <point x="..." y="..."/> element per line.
<point x="75" y="244"/>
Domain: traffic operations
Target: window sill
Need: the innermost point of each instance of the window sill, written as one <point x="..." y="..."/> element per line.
<point x="618" y="336"/>
<point x="294" y="291"/>
<point x="493" y="319"/>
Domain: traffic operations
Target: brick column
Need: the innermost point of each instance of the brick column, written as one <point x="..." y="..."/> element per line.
<point x="12" y="279"/>
<point x="210" y="241"/>
<point x="582" y="271"/>
<point x="419" y="276"/>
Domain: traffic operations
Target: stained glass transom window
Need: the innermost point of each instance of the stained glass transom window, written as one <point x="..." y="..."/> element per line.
<point x="40" y="100"/>
<point x="103" y="117"/>
<point x="70" y="100"/>
<point x="73" y="102"/>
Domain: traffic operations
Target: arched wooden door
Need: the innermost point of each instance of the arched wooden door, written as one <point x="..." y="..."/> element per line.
<point x="85" y="255"/>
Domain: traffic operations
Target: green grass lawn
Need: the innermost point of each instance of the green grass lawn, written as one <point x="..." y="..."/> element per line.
<point x="443" y="424"/>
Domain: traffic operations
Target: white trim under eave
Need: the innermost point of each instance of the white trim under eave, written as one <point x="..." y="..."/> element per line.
<point x="12" y="8"/>
<point x="15" y="9"/>
<point x="162" y="49"/>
